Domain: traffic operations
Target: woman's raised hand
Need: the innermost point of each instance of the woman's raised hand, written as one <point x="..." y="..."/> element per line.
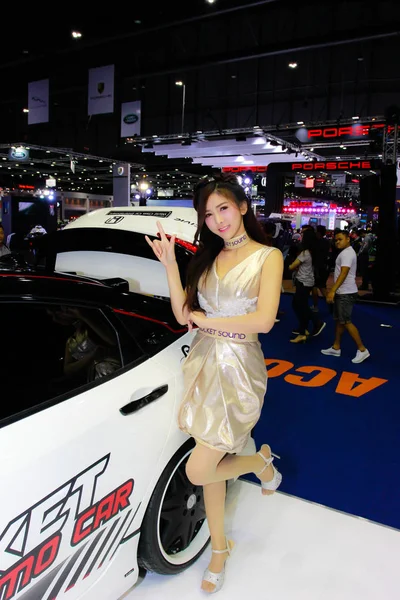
<point x="164" y="249"/>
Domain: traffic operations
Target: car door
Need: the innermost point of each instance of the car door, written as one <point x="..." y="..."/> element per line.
<point x="80" y="444"/>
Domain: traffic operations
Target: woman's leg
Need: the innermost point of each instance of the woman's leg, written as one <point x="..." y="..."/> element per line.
<point x="209" y="468"/>
<point x="206" y="465"/>
<point x="214" y="500"/>
<point x="296" y="304"/>
<point x="302" y="307"/>
<point x="204" y="459"/>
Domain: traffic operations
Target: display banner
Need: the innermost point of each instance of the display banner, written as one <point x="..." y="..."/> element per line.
<point x="101" y="90"/>
<point x="38" y="102"/>
<point x="130" y="118"/>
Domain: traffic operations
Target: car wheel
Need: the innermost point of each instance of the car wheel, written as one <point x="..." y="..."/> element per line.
<point x="174" y="531"/>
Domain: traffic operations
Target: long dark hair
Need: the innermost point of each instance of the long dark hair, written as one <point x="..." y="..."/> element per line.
<point x="309" y="242"/>
<point x="210" y="244"/>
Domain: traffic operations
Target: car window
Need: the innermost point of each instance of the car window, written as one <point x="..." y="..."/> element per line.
<point x="106" y="252"/>
<point x="151" y="336"/>
<point x="50" y="350"/>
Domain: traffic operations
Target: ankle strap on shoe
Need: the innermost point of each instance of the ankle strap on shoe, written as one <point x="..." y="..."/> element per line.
<point x="267" y="461"/>
<point x="221" y="551"/>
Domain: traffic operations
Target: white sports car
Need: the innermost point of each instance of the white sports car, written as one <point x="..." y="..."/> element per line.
<point x="92" y="461"/>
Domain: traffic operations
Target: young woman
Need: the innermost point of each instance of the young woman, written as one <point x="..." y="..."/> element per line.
<point x="232" y="294"/>
<point x="304" y="282"/>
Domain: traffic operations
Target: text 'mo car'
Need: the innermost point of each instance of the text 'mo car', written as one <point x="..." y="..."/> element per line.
<point x="91" y="457"/>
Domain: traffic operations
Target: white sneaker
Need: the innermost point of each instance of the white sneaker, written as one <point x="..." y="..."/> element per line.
<point x="331" y="352"/>
<point x="360" y="356"/>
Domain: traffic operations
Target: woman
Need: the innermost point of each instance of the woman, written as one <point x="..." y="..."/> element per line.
<point x="232" y="294"/>
<point x="304" y="283"/>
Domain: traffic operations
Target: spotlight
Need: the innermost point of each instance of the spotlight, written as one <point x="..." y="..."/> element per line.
<point x="293" y="65"/>
<point x="76" y="35"/>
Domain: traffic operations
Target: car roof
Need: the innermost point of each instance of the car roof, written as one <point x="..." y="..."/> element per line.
<point x="179" y="220"/>
<point x="62" y="288"/>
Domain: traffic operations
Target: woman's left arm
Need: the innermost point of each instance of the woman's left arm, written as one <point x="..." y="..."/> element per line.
<point x="295" y="265"/>
<point x="263" y="319"/>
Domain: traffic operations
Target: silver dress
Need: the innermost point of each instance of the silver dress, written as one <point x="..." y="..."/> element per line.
<point x="225" y="376"/>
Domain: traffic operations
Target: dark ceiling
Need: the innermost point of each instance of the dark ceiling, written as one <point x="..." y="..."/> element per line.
<point x="233" y="56"/>
<point x="33" y="32"/>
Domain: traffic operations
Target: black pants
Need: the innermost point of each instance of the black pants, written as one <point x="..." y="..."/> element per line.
<point x="302" y="308"/>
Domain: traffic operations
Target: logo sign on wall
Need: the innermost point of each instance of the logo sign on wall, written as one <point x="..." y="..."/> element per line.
<point x="18" y="153"/>
<point x="343" y="165"/>
<point x="38" y="102"/>
<point x="130" y="118"/>
<point x="344" y="132"/>
<point x="101" y="90"/>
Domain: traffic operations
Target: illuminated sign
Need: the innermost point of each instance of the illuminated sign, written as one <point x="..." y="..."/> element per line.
<point x="343" y="132"/>
<point x="243" y="169"/>
<point x="21" y="186"/>
<point x="344" y="165"/>
<point x="18" y="153"/>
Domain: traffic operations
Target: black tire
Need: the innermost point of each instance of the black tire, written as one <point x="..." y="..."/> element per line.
<point x="174" y="531"/>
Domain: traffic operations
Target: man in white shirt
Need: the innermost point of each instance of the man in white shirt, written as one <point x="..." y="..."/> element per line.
<point x="343" y="295"/>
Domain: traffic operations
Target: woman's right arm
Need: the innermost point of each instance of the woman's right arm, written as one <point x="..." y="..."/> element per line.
<point x="164" y="250"/>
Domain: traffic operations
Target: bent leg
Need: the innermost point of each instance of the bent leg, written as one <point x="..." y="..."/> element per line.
<point x="206" y="465"/>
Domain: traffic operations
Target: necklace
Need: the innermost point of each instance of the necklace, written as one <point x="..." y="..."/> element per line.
<point x="237" y="242"/>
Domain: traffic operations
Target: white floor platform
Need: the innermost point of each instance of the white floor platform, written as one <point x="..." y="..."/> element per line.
<point x="290" y="549"/>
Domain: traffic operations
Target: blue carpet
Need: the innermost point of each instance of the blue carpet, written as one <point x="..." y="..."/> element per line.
<point x="335" y="424"/>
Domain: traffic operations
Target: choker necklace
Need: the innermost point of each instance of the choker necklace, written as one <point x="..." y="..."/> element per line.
<point x="237" y="242"/>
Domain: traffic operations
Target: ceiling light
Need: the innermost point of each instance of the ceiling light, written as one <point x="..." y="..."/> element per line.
<point x="25" y="110"/>
<point x="178" y="82"/>
<point x="76" y="35"/>
<point x="355" y="118"/>
<point x="293" y="65"/>
<point x="210" y="1"/>
<point x="300" y="122"/>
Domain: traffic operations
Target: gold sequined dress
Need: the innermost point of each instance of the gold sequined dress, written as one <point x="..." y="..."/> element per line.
<point x="224" y="373"/>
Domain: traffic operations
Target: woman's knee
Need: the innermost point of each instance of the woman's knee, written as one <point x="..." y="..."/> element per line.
<point x="194" y="471"/>
<point x="202" y="464"/>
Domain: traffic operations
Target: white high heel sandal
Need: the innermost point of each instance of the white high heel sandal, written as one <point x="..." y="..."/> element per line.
<point x="217" y="579"/>
<point x="276" y="481"/>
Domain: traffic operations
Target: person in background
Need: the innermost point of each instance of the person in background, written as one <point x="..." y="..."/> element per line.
<point x="304" y="283"/>
<point x="4" y="250"/>
<point x="343" y="295"/>
<point x="296" y="236"/>
<point x="356" y="240"/>
<point x="368" y="245"/>
<point x="321" y="264"/>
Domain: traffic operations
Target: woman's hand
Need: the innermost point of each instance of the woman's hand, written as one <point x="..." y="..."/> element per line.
<point x="164" y="249"/>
